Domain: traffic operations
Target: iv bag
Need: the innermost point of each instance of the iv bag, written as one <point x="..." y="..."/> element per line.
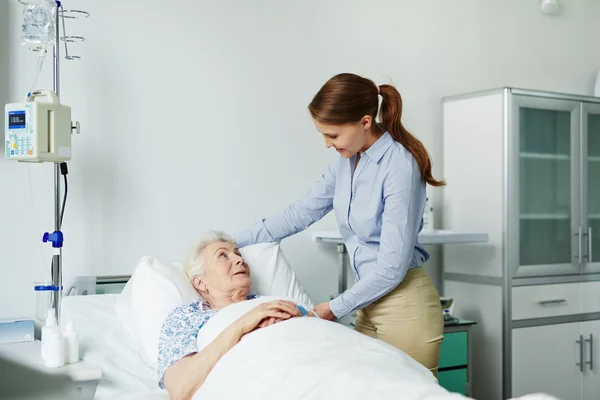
<point x="38" y="22"/>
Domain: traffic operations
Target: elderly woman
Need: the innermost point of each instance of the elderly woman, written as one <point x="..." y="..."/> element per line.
<point x="221" y="276"/>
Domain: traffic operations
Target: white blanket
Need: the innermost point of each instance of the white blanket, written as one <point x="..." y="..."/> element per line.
<point x="310" y="358"/>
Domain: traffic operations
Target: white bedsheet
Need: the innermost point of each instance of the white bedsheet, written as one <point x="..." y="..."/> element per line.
<point x="105" y="342"/>
<point x="304" y="358"/>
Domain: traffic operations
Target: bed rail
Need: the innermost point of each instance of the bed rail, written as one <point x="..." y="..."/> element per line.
<point x="96" y="284"/>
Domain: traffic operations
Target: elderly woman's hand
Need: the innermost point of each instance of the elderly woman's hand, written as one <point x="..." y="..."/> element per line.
<point x="274" y="320"/>
<point x="267" y="314"/>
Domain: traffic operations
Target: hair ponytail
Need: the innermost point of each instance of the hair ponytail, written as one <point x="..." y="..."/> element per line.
<point x="391" y="119"/>
<point x="346" y="98"/>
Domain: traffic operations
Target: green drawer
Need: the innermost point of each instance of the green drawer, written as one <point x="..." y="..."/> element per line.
<point x="454" y="350"/>
<point x="454" y="380"/>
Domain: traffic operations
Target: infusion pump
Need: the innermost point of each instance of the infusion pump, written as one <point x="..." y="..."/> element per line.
<point x="38" y="131"/>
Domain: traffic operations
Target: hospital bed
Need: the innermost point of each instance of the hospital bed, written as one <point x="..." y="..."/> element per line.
<point x="106" y="343"/>
<point x="314" y="350"/>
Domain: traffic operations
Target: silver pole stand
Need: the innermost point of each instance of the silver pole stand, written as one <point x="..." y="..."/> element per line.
<point x="57" y="257"/>
<point x="61" y="14"/>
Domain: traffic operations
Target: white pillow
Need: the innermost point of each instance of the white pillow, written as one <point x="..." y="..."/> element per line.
<point x="272" y="274"/>
<point x="156" y="288"/>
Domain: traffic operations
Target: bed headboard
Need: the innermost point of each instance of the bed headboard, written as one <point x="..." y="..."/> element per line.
<point x="101" y="284"/>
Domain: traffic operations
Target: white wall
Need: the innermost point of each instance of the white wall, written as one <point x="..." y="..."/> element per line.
<point x="4" y="59"/>
<point x="194" y="114"/>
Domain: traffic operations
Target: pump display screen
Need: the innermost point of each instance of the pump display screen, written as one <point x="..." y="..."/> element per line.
<point x="16" y="119"/>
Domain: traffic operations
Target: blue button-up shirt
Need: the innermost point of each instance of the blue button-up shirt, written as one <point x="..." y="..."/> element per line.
<point x="379" y="210"/>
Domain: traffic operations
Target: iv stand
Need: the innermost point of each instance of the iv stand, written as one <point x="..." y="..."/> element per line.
<point x="57" y="237"/>
<point x="57" y="257"/>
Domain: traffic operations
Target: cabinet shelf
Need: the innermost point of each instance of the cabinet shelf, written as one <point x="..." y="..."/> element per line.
<point x="553" y="216"/>
<point x="551" y="156"/>
<point x="544" y="216"/>
<point x="545" y="156"/>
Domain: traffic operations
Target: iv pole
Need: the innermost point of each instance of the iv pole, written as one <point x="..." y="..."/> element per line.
<point x="57" y="237"/>
<point x="57" y="257"/>
<point x="34" y="29"/>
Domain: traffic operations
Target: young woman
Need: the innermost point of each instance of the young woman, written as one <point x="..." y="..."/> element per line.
<point x="377" y="191"/>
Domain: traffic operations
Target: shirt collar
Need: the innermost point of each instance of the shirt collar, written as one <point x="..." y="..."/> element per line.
<point x="378" y="149"/>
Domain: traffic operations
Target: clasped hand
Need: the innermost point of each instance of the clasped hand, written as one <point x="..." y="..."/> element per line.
<point x="268" y="314"/>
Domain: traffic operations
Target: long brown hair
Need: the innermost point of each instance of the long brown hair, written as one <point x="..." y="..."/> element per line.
<point x="347" y="98"/>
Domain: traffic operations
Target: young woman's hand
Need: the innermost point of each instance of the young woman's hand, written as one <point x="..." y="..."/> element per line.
<point x="324" y="311"/>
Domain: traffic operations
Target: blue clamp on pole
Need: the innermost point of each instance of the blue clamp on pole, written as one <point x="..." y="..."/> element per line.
<point x="55" y="237"/>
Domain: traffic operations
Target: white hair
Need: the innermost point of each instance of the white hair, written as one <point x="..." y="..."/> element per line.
<point x="193" y="265"/>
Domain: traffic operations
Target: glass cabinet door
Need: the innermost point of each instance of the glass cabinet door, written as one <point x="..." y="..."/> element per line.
<point x="548" y="153"/>
<point x="590" y="166"/>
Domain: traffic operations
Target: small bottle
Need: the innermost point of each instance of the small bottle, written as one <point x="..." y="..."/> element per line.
<point x="55" y="350"/>
<point x="71" y="344"/>
<point x="49" y="329"/>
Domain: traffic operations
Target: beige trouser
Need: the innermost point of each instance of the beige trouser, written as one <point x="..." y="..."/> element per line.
<point x="409" y="318"/>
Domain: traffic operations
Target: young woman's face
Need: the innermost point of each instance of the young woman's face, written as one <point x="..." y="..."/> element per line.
<point x="347" y="139"/>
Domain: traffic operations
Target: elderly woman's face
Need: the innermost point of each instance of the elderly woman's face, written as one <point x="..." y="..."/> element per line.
<point x="225" y="269"/>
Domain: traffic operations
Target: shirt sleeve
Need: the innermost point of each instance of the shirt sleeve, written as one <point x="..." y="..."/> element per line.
<point x="310" y="208"/>
<point x="401" y="222"/>
<point x="177" y="340"/>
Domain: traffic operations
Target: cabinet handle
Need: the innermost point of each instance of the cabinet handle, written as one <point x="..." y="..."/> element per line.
<point x="580" y="343"/>
<point x="580" y="246"/>
<point x="579" y="235"/>
<point x="591" y="362"/>
<point x="590" y="244"/>
<point x="553" y="301"/>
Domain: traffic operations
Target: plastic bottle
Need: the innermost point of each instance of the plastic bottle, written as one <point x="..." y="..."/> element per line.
<point x="53" y="345"/>
<point x="71" y="344"/>
<point x="55" y="350"/>
<point x="49" y="330"/>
